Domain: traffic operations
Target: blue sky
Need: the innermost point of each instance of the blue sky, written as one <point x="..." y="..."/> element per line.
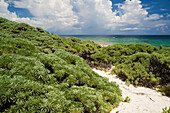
<point x="92" y="17"/>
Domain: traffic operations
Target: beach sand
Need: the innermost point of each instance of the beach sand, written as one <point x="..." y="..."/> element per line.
<point x="142" y="100"/>
<point x="105" y="44"/>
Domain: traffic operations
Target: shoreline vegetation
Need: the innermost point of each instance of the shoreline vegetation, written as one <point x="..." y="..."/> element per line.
<point x="43" y="72"/>
<point x="137" y="99"/>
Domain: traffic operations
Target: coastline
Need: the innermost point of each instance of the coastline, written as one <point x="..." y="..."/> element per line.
<point x="105" y="44"/>
<point x="61" y="67"/>
<point x="142" y="99"/>
<point x="155" y="40"/>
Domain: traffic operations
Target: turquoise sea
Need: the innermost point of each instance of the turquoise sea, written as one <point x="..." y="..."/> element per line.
<point x="155" y="40"/>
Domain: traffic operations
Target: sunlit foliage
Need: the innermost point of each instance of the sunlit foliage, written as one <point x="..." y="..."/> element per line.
<point x="38" y="75"/>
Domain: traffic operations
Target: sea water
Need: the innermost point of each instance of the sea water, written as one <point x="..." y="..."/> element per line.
<point x="155" y="40"/>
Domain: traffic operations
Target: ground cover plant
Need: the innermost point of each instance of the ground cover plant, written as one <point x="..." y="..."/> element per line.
<point x="149" y="68"/>
<point x="37" y="74"/>
<point x="137" y="64"/>
<point x="42" y="72"/>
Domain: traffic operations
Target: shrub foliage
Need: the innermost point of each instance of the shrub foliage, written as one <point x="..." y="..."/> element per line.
<point x="42" y="72"/>
<point x="38" y="75"/>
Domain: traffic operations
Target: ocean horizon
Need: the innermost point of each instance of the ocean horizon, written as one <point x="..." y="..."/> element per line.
<point x="155" y="40"/>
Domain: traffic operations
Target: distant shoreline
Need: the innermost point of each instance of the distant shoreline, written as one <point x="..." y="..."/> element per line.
<point x="105" y="44"/>
<point x="156" y="40"/>
<point x="115" y="35"/>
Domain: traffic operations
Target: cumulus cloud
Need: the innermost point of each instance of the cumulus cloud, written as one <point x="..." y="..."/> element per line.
<point x="154" y="17"/>
<point x="58" y="10"/>
<point x="4" y="11"/>
<point x="83" y="16"/>
<point x="52" y="15"/>
<point x="132" y="12"/>
<point x="12" y="15"/>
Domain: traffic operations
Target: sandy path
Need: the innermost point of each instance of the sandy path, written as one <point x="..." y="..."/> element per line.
<point x="143" y="100"/>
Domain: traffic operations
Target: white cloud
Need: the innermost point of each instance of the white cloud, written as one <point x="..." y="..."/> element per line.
<point x="154" y="17"/>
<point x="83" y="16"/>
<point x="12" y="16"/>
<point x="159" y="25"/>
<point x="94" y="15"/>
<point x="4" y="11"/>
<point x="135" y="28"/>
<point x="132" y="12"/>
<point x="53" y="12"/>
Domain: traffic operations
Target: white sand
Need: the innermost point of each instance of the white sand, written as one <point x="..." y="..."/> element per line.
<point x="105" y="44"/>
<point x="143" y="100"/>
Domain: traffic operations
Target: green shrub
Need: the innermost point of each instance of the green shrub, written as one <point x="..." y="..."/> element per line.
<point x="38" y="75"/>
<point x="40" y="30"/>
<point x="144" y="69"/>
<point x="127" y="99"/>
<point x="165" y="89"/>
<point x="166" y="110"/>
<point x="64" y="82"/>
<point x="16" y="46"/>
<point x="66" y="85"/>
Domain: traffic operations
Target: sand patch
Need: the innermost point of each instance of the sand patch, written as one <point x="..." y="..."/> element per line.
<point x="142" y="100"/>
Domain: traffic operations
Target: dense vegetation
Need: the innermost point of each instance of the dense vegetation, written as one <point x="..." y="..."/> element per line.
<point x="138" y="64"/>
<point x="38" y="75"/>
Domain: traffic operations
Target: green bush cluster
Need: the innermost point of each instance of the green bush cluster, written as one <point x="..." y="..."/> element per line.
<point x="45" y="42"/>
<point x="138" y="64"/>
<point x="113" y="54"/>
<point x="53" y="83"/>
<point x="38" y="75"/>
<point x="16" y="46"/>
<point x="149" y="69"/>
<point x="39" y="72"/>
<point x="135" y="70"/>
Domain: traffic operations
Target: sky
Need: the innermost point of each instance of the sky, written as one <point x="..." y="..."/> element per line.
<point x="91" y="17"/>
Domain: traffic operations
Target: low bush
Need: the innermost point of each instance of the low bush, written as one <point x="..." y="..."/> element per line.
<point x="53" y="83"/>
<point x="144" y="69"/>
<point x="38" y="75"/>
